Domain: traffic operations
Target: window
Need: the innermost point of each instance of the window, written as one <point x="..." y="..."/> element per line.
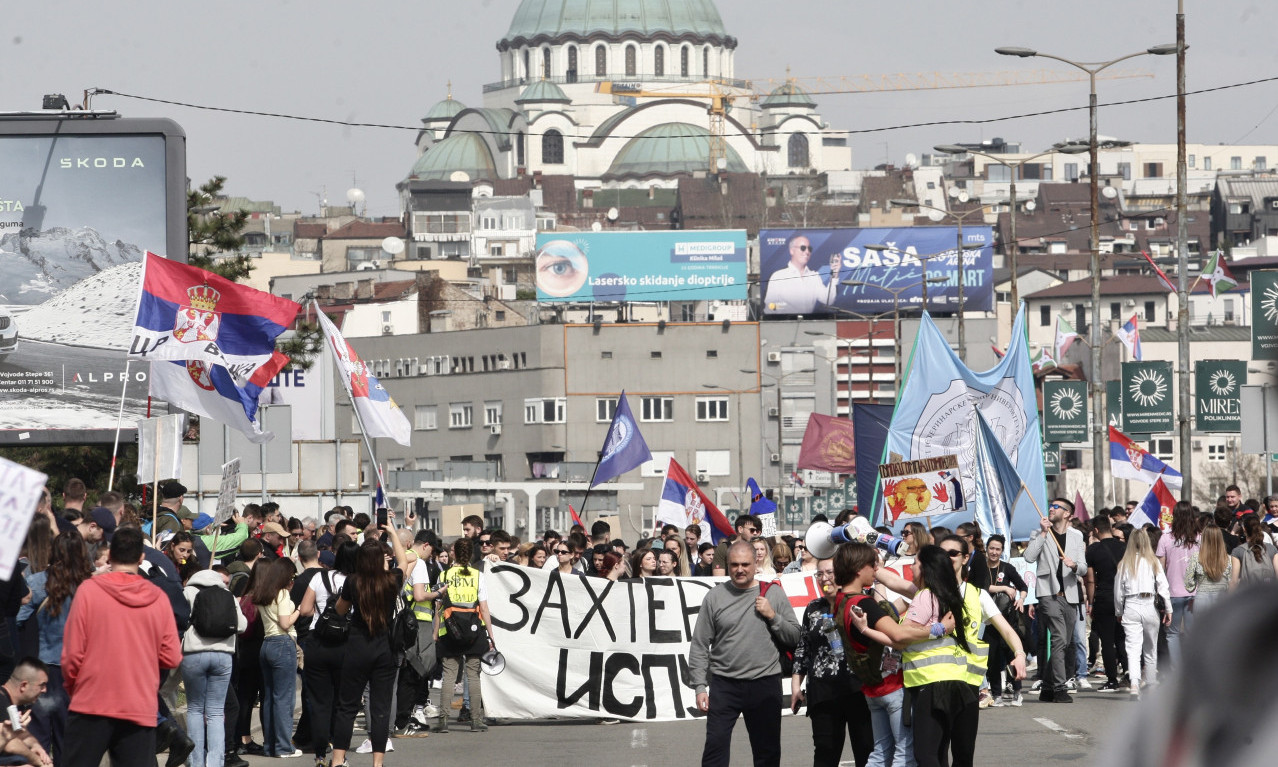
<point x="545" y="62"/>
<point x="1116" y="311"/>
<point x="1149" y="311"/>
<point x="545" y="410"/>
<point x="1206" y="163"/>
<point x="519" y="148"/>
<point x="714" y="463"/>
<point x="1163" y="448"/>
<point x="1192" y="160"/>
<point x="712" y="354"/>
<point x="705" y="61"/>
<point x="1125" y="170"/>
<point x="1153" y="170"/>
<point x="492" y="413"/>
<point x="1045" y="316"/>
<point x="1229" y="310"/>
<point x="386" y="316"/>
<point x="527" y="67"/>
<point x="798" y="151"/>
<point x="1216" y="451"/>
<point x="601" y="61"/>
<point x="552" y="148"/>
<point x="632" y="61"/>
<point x="1259" y="163"/>
<point x="659" y="61"/>
<point x="572" y="64"/>
<point x="1235" y="163"/>
<point x="654" y="355"/>
<point x="683" y="61"/>
<point x="658" y="409"/>
<point x="1071" y="171"/>
<point x="425" y="418"/>
<point x="712" y="408"/>
<point x="605" y="409"/>
<point x="658" y="465"/>
<point x="461" y="415"/>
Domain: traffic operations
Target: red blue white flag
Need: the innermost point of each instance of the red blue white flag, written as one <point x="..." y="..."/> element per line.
<point x="683" y="503"/>
<point x="378" y="413"/>
<point x="1128" y="460"/>
<point x="576" y="518"/>
<point x="1156" y="509"/>
<point x="186" y="313"/>
<point x="1129" y="335"/>
<point x="208" y="391"/>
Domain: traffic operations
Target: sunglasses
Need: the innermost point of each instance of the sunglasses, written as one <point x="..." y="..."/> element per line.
<point x="805" y="248"/>
<point x="1055" y="506"/>
<point x="485" y="542"/>
<point x="562" y="552"/>
<point x="953" y="553"/>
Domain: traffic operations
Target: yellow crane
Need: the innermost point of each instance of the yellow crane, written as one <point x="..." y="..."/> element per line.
<point x="720" y="101"/>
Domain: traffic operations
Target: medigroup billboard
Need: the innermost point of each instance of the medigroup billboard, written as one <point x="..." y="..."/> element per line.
<point x="803" y="271"/>
<point x="700" y="265"/>
<point x="81" y="201"/>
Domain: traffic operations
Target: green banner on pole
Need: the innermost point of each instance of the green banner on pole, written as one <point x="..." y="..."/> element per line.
<point x="796" y="511"/>
<point x="1218" y="395"/>
<point x="1148" y="398"/>
<point x="1065" y="411"/>
<point x="1264" y="314"/>
<point x="1114" y="404"/>
<point x="1051" y="459"/>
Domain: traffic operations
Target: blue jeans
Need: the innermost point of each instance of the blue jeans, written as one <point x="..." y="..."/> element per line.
<point x="279" y="686"/>
<point x="207" y="676"/>
<point x="1080" y="643"/>
<point x="1179" y="624"/>
<point x="893" y="740"/>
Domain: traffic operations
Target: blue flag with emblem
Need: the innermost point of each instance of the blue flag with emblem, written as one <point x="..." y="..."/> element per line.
<point x="997" y="480"/>
<point x="935" y="415"/>
<point x="623" y="448"/>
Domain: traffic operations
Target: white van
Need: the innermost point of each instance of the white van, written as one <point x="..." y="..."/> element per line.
<point x="8" y="334"/>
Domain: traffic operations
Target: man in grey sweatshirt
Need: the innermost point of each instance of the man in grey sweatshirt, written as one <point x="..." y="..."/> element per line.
<point x="733" y="650"/>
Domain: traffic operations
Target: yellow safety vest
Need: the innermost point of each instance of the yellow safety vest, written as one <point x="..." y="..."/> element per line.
<point x="944" y="660"/>
<point x="463" y="591"/>
<point x="424" y="610"/>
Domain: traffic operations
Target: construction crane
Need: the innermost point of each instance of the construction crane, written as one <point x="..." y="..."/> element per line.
<point x="720" y="101"/>
<point x="932" y="81"/>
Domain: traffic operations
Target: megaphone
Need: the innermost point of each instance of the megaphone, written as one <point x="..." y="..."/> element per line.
<point x="823" y="538"/>
<point x="492" y="662"/>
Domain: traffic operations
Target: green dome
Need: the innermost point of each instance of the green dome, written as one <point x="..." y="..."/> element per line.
<point x="670" y="148"/>
<point x="461" y="151"/>
<point x="444" y="110"/>
<point x="543" y="20"/>
<point x="542" y="91"/>
<point x="788" y="95"/>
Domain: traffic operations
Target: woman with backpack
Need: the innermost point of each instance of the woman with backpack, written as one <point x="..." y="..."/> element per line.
<point x="208" y="649"/>
<point x="323" y="650"/>
<point x="278" y="657"/>
<point x="1255" y="559"/>
<point x="69" y="566"/>
<point x="464" y="632"/>
<point x="369" y="596"/>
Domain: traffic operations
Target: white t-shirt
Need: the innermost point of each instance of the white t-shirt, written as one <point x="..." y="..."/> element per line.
<point x="316" y="587"/>
<point x="420" y="574"/>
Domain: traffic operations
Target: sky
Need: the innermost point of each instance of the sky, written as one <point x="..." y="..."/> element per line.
<point x="388" y="61"/>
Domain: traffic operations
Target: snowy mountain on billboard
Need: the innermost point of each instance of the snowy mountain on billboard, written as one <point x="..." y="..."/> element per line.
<point x="97" y="312"/>
<point x="36" y="266"/>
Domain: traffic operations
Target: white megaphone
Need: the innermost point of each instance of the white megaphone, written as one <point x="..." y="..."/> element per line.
<point x="823" y="538"/>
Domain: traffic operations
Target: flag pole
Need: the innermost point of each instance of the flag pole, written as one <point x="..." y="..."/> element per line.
<point x="1034" y="501"/>
<point x="582" y="512"/>
<point x="155" y="490"/>
<point x="119" y="418"/>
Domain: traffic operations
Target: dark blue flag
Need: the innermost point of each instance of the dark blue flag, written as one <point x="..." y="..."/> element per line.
<point x="623" y="448"/>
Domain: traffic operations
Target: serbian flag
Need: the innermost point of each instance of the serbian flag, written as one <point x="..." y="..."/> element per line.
<point x="208" y="391"/>
<point x="1161" y="275"/>
<point x="683" y="503"/>
<point x="576" y="518"/>
<point x="828" y="445"/>
<point x="185" y="313"/>
<point x="1156" y="509"/>
<point x="1129" y="334"/>
<point x="378" y="413"/>
<point x="1128" y="460"/>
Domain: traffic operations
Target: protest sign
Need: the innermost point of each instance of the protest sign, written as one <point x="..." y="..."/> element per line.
<point x="227" y="491"/>
<point x="20" y="490"/>
<point x="922" y="488"/>
<point x="159" y="449"/>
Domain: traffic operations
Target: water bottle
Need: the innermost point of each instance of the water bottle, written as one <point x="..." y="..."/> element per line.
<point x="831" y="632"/>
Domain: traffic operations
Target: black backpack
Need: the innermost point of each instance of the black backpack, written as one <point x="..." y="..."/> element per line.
<point x="213" y="614"/>
<point x="403" y="628"/>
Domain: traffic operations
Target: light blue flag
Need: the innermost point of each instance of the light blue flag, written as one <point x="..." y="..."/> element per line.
<point x="998" y="483"/>
<point x="935" y="415"/>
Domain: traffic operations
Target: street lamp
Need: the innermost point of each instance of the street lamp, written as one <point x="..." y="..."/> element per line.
<point x="1013" y="248"/>
<point x="777" y="381"/>
<point x="896" y="314"/>
<point x="962" y="258"/>
<point x="1093" y="68"/>
<point x="869" y="352"/>
<point x="740" y="450"/>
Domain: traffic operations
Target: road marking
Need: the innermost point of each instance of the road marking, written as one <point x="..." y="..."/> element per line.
<point x="1054" y="727"/>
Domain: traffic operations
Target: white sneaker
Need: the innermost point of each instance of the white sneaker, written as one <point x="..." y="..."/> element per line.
<point x="296" y="753"/>
<point x="367" y="746"/>
<point x="419" y="716"/>
<point x="431" y="711"/>
<point x="1071" y="685"/>
<point x="1083" y="684"/>
<point x="1016" y="700"/>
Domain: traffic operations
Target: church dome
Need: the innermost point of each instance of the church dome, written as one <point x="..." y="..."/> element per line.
<point x="668" y="149"/>
<point x="461" y="151"/>
<point x="788" y="95"/>
<point x="540" y="21"/>
<point x="444" y="110"/>
<point x="543" y="91"/>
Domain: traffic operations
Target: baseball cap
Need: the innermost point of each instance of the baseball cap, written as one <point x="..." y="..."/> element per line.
<point x="103" y="518"/>
<point x="185" y="512"/>
<point x="201" y="521"/>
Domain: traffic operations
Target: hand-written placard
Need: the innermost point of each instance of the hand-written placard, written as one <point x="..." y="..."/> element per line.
<point x="20" y="490"/>
<point x="228" y="490"/>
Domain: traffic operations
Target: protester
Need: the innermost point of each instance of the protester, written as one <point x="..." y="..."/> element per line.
<point x="1255" y="559"/>
<point x="804" y="562"/>
<point x="1103" y="558"/>
<point x="782" y="556"/>
<point x="705" y="560"/>
<point x="113" y="704"/>
<point x="643" y="564"/>
<point x="1139" y="582"/>
<point x="1060" y="564"/>
<point x="278" y="656"/>
<point x="916" y="537"/>
<point x="248" y="652"/>
<point x="466" y="597"/>
<point x="763" y="559"/>
<point x="323" y="658"/>
<point x="679" y="566"/>
<point x="206" y="668"/>
<point x="1174" y="552"/>
<point x="29" y="681"/>
<point x="69" y="568"/>
<point x="835" y="701"/>
<point x="1210" y="568"/>
<point x="733" y="650"/>
<point x="414" y="711"/>
<point x="1008" y="591"/>
<point x="614" y="566"/>
<point x="747" y="528"/>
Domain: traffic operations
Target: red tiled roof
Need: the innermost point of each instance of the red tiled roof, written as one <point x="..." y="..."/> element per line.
<point x="366" y="230"/>
<point x="308" y="231"/>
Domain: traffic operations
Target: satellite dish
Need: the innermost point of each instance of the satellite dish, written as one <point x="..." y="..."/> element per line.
<point x="911" y="161"/>
<point x="1030" y="205"/>
<point x="935" y="215"/>
<point x="1109" y="192"/>
<point x="953" y="192"/>
<point x="393" y="245"/>
<point x="355" y="196"/>
<point x="613" y="214"/>
<point x="459" y="176"/>
<point x="964" y="196"/>
<point x="596" y="227"/>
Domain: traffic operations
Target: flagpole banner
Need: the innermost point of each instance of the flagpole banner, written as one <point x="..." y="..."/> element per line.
<point x="624" y="448"/>
<point x="585" y="648"/>
<point x="377" y="411"/>
<point x="1219" y="278"/>
<point x="1064" y="411"/>
<point x="159" y="449"/>
<point x="1218" y="395"/>
<point x="938" y="402"/>
<point x="1148" y="398"/>
<point x="871" y="424"/>
<point x="828" y="445"/>
<point x="210" y="392"/>
<point x="922" y="488"/>
<point x="1264" y="314"/>
<point x="1051" y="459"/>
<point x="683" y="504"/>
<point x="1128" y="460"/>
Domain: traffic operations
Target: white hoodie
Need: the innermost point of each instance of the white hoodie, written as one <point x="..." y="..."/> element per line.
<point x="193" y="642"/>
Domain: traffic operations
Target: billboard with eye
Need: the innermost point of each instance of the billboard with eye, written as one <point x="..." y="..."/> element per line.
<point x="693" y="265"/>
<point x="82" y="198"/>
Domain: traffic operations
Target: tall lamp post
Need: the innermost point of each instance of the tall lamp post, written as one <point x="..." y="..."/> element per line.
<point x="1093" y="68"/>
<point x="869" y="354"/>
<point x="777" y="381"/>
<point x="896" y="312"/>
<point x="959" y="218"/>
<point x="1013" y="245"/>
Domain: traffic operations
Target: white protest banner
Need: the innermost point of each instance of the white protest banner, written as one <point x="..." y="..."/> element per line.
<point x="579" y="647"/>
<point x="227" y="491"/>
<point x="20" y="490"/>
<point x="922" y="488"/>
<point x="159" y="445"/>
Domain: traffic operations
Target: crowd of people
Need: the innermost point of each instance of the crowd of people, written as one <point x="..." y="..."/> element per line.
<point x="896" y="657"/>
